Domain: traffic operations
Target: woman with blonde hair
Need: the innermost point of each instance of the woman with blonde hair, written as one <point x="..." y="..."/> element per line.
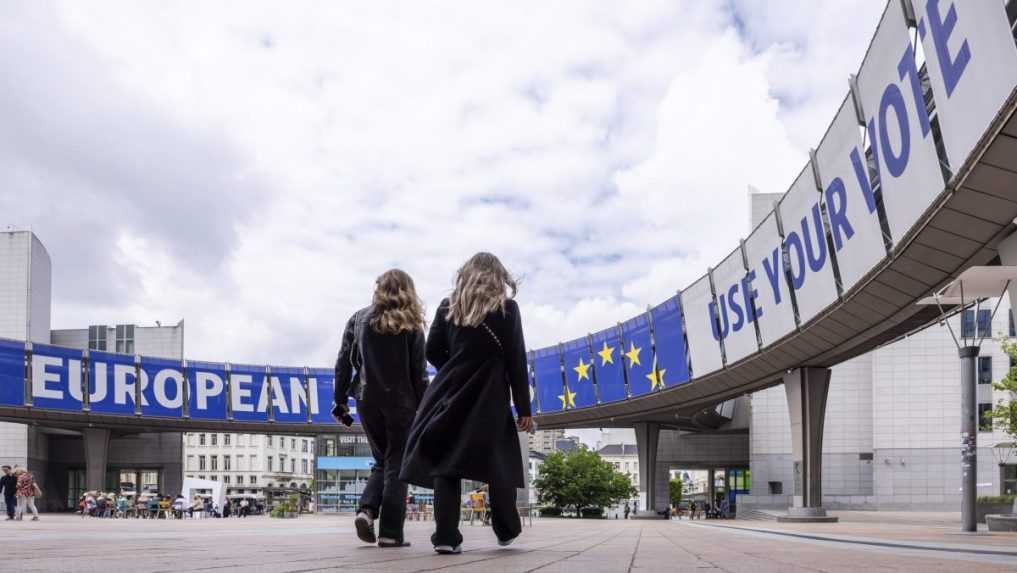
<point x="381" y="364"/>
<point x="464" y="427"/>
<point x="26" y="490"/>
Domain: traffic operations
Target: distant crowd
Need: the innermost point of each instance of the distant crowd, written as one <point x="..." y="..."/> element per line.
<point x="154" y="506"/>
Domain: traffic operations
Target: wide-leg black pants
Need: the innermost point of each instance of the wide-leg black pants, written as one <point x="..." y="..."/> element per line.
<point x="384" y="495"/>
<point x="448" y="507"/>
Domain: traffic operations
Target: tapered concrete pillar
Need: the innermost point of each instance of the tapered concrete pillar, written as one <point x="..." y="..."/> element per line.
<point x="711" y="488"/>
<point x="806" y="390"/>
<point x="96" y="454"/>
<point x="647" y="438"/>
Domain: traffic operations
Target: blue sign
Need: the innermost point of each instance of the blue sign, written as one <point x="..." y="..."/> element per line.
<point x="669" y="336"/>
<point x="579" y="374"/>
<point x="345" y="463"/>
<point x="248" y="391"/>
<point x="12" y="373"/>
<point x="321" y="382"/>
<point x="607" y="366"/>
<point x="56" y="378"/>
<point x="547" y="375"/>
<point x="206" y="390"/>
<point x="290" y="402"/>
<point x="162" y="388"/>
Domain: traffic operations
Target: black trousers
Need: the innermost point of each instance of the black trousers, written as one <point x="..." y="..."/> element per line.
<point x="384" y="495"/>
<point x="448" y="506"/>
<point x="12" y="503"/>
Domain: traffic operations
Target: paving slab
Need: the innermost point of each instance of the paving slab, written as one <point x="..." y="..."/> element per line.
<point x="64" y="543"/>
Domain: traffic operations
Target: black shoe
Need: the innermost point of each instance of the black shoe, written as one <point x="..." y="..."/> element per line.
<point x="388" y="543"/>
<point x="365" y="527"/>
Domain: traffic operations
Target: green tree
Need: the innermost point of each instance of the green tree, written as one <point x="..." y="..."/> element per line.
<point x="675" y="488"/>
<point x="1004" y="414"/>
<point x="581" y="479"/>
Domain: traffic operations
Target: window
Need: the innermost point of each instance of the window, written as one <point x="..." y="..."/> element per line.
<point x="213" y="478"/>
<point x="125" y="338"/>
<point x="984" y="419"/>
<point x="215" y="463"/>
<point x="97" y="337"/>
<point x="253" y="480"/>
<point x="201" y="439"/>
<point x="254" y="462"/>
<point x="985" y="370"/>
<point x="225" y="463"/>
<point x="240" y="480"/>
<point x="303" y="466"/>
<point x="1013" y="332"/>
<point x="293" y="443"/>
<point x="293" y="466"/>
<point x="201" y="477"/>
<point x="201" y="463"/>
<point x="776" y="487"/>
<point x="968" y="324"/>
<point x="269" y="438"/>
<point x="984" y="323"/>
<point x="282" y="463"/>
<point x="1009" y="479"/>
<point x="215" y="439"/>
<point x="225" y="439"/>
<point x="190" y="463"/>
<point x="226" y="479"/>
<point x="303" y="446"/>
<point x="268" y="465"/>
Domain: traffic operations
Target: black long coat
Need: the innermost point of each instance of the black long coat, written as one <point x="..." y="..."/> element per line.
<point x="464" y="426"/>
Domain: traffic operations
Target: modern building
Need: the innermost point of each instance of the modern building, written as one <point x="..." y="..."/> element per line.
<point x="891" y="432"/>
<point x="624" y="458"/>
<point x="57" y="455"/>
<point x="544" y="441"/>
<point x="250" y="463"/>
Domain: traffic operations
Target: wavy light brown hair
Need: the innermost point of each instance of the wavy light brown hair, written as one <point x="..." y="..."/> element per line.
<point x="397" y="308"/>
<point x="482" y="286"/>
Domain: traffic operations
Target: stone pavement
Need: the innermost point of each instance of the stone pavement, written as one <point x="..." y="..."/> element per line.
<point x="326" y="543"/>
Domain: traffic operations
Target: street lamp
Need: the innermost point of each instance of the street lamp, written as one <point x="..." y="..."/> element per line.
<point x="971" y="286"/>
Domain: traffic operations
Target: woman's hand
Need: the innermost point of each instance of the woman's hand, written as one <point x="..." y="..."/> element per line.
<point x="525" y="424"/>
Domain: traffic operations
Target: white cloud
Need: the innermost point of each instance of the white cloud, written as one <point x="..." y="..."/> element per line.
<point x="253" y="170"/>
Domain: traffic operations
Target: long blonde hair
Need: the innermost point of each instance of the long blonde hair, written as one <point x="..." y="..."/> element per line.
<point x="482" y="286"/>
<point x="397" y="308"/>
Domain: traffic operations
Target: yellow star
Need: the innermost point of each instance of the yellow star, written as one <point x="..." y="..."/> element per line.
<point x="606" y="354"/>
<point x="568" y="399"/>
<point x="583" y="370"/>
<point x="633" y="355"/>
<point x="656" y="377"/>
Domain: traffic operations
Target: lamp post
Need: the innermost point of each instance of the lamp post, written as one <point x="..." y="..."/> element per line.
<point x="971" y="287"/>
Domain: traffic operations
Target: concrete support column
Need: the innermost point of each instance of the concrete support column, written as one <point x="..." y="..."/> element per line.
<point x="806" y="390"/>
<point x="96" y="454"/>
<point x="711" y="488"/>
<point x="647" y="438"/>
<point x="969" y="438"/>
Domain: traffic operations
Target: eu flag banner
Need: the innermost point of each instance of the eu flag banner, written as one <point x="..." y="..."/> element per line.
<point x="638" y="357"/>
<point x="110" y="383"/>
<point x="321" y="383"/>
<point x="56" y="378"/>
<point x="607" y="365"/>
<point x="672" y="358"/>
<point x="547" y="373"/>
<point x="289" y="394"/>
<point x="12" y="373"/>
<point x="206" y="390"/>
<point x="162" y="387"/>
<point x="579" y="373"/>
<point x="248" y="390"/>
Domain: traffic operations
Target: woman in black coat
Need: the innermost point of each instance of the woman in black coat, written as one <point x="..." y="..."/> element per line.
<point x="464" y="427"/>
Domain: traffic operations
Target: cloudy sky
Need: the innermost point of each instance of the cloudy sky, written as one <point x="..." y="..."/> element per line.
<point x="253" y="167"/>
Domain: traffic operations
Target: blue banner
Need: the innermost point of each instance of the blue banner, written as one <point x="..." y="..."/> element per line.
<point x="639" y="358"/>
<point x="670" y="338"/>
<point x="321" y="382"/>
<point x="206" y="390"/>
<point x="290" y="402"/>
<point x="12" y="373"/>
<point x="56" y="378"/>
<point x="547" y="374"/>
<point x="162" y="387"/>
<point x="608" y="367"/>
<point x="248" y="391"/>
<point x="579" y="373"/>
<point x="111" y="383"/>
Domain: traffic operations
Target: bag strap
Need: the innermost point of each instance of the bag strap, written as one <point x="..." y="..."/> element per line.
<point x="493" y="335"/>
<point x="359" y="324"/>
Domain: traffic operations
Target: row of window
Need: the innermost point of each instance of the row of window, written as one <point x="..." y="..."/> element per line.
<point x="97" y="339"/>
<point x="971" y="328"/>
<point x="344" y="445"/>
<point x="211" y="463"/>
<point x="251" y="479"/>
<point x="244" y="439"/>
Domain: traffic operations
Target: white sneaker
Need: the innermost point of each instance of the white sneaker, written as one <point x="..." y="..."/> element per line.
<point x="507" y="542"/>
<point x="365" y="527"/>
<point x="448" y="549"/>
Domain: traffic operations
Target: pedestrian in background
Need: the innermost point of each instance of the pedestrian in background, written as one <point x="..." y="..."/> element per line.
<point x="381" y="364"/>
<point x="9" y="485"/>
<point x="464" y="427"/>
<point x="26" y="492"/>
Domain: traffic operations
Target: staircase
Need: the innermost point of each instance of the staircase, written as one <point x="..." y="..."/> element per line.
<point x="751" y="514"/>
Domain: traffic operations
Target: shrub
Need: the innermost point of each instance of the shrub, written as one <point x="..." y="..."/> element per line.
<point x="550" y="511"/>
<point x="996" y="499"/>
<point x="593" y="512"/>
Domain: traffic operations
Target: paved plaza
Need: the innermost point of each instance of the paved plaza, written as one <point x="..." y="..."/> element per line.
<point x="326" y="543"/>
